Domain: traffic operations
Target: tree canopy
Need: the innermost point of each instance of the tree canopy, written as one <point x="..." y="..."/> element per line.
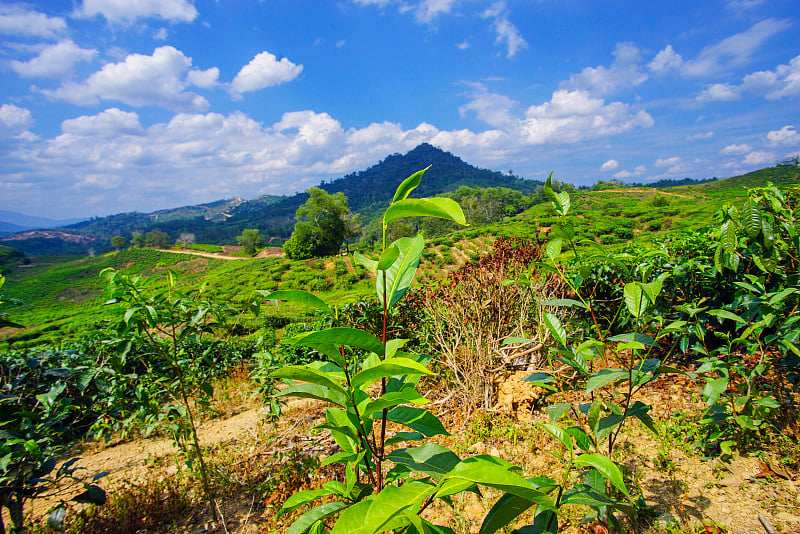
<point x="323" y="222"/>
<point x="250" y="240"/>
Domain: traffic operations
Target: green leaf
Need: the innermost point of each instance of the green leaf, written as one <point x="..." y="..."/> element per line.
<point x="298" y="296"/>
<point x="727" y="237"/>
<point x="556" y="328"/>
<point x="56" y="518"/>
<point x="605" y="467"/>
<point x="751" y="218"/>
<point x="376" y="514"/>
<point x="505" y="510"/>
<point x="92" y="495"/>
<point x="430" y="458"/>
<point x="404" y="436"/>
<point x="635" y="299"/>
<point x="388" y="257"/>
<point x="308" y="374"/>
<point x="417" y="419"/>
<point x="565" y="302"/>
<point x="400" y="274"/>
<point x="307" y="520"/>
<point x="314" y="391"/>
<point x="553" y="248"/>
<point x="603" y="378"/>
<point x="302" y="498"/>
<point x="351" y="337"/>
<point x="408" y="185"/>
<point x="557" y="410"/>
<point x="641" y="411"/>
<point x="581" y="438"/>
<point x="390" y="367"/>
<point x="494" y="473"/>
<point x="371" y="265"/>
<point x="392" y="399"/>
<point x="443" y="208"/>
<point x="559" y="434"/>
<point x="725" y="314"/>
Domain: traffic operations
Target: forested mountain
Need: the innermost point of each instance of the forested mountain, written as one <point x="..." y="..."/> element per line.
<point x="220" y="222"/>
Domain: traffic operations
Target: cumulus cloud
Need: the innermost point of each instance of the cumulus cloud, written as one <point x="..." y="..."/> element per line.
<point x="719" y="92"/>
<point x="139" y="80"/>
<point x="21" y="21"/>
<point x="493" y="109"/>
<point x="759" y="158"/>
<point x="785" y="136"/>
<point x="666" y="60"/>
<point x="203" y="78"/>
<point x="736" y="150"/>
<point x="623" y="72"/>
<point x="742" y="5"/>
<point x="107" y="124"/>
<point x="610" y="165"/>
<point x="128" y="11"/>
<point x="264" y="70"/>
<point x="54" y="61"/>
<point x="14" y="120"/>
<point x="507" y="33"/>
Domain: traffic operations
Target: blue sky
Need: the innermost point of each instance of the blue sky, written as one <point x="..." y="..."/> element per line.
<point x="120" y="105"/>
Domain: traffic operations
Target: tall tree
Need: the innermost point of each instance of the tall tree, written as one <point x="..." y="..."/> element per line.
<point x="321" y="227"/>
<point x="118" y="242"/>
<point x="250" y="241"/>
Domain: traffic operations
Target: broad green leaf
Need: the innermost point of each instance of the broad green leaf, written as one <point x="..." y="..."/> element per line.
<point x="727" y="237"/>
<point x="714" y="388"/>
<point x="443" y="208"/>
<point x="635" y="299"/>
<point x="56" y="518"/>
<point x="557" y="410"/>
<point x="751" y="218"/>
<point x="408" y="185"/>
<point x="404" y="436"/>
<point x="505" y="510"/>
<point x="392" y="399"/>
<point x="377" y="512"/>
<point x="582" y="439"/>
<point x="314" y="391"/>
<point x="390" y="367"/>
<point x="559" y="434"/>
<point x="606" y="467"/>
<point x="725" y="314"/>
<point x="553" y="248"/>
<point x="398" y="277"/>
<point x="308" y="374"/>
<point x="641" y="411"/>
<point x="371" y="265"/>
<point x="388" y="257"/>
<point x="644" y="339"/>
<point x="351" y="337"/>
<point x="417" y="419"/>
<point x="302" y="498"/>
<point x="556" y="328"/>
<point x="307" y="520"/>
<point x="495" y="473"/>
<point x="603" y="378"/>
<point x="430" y="458"/>
<point x="298" y="296"/>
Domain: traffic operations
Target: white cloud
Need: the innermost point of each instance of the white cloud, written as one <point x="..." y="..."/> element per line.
<point x="742" y="5"/>
<point x="139" y="80"/>
<point x="666" y="60"/>
<point x="736" y="150"/>
<point x="18" y="20"/>
<point x="623" y="175"/>
<point x="785" y="136"/>
<point x="109" y="123"/>
<point x="719" y="92"/>
<point x="161" y="34"/>
<point x="699" y="136"/>
<point x="760" y="158"/>
<point x="463" y="45"/>
<point x="507" y="32"/>
<point x="667" y="162"/>
<point x="572" y="116"/>
<point x="493" y="109"/>
<point x="14" y="120"/>
<point x="264" y="70"/>
<point x="128" y="11"/>
<point x="623" y="72"/>
<point x="340" y="43"/>
<point x="203" y="78"/>
<point x="735" y="50"/>
<point x="784" y="81"/>
<point x="427" y="10"/>
<point x="610" y="165"/>
<point x="54" y="61"/>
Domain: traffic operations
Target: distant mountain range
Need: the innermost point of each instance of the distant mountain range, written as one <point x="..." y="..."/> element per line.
<point x="11" y="221"/>
<point x="219" y="222"/>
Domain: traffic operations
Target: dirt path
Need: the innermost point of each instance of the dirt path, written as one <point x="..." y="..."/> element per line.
<point x="648" y="190"/>
<point x="201" y="253"/>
